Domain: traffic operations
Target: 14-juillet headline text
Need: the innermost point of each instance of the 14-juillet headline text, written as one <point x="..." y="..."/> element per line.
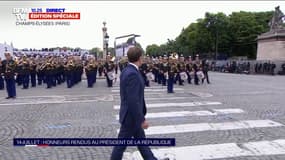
<point x="44" y="17"/>
<point x="93" y="142"/>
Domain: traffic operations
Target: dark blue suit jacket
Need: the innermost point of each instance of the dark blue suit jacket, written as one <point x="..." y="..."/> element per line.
<point x="133" y="109"/>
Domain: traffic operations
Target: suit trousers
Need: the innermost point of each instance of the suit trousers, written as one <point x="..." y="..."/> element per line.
<point x="127" y="132"/>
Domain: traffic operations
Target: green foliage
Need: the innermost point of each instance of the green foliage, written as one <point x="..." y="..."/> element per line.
<point x="96" y="51"/>
<point x="233" y="35"/>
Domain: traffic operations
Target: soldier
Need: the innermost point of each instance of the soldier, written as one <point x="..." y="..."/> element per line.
<point x="1" y="74"/>
<point x="100" y="68"/>
<point x="163" y="70"/>
<point x="272" y="69"/>
<point x="155" y="70"/>
<point x="123" y="63"/>
<point x="205" y="69"/>
<point x="181" y="68"/>
<point x="143" y="70"/>
<point x="159" y="68"/>
<point x="53" y="71"/>
<point x="172" y="70"/>
<point x="25" y="71"/>
<point x="189" y="70"/>
<point x="196" y="67"/>
<point x="60" y="76"/>
<point x="79" y="67"/>
<point x="48" y="69"/>
<point x="40" y="72"/>
<point x="9" y="67"/>
<point x="90" y="70"/>
<point x="19" y="79"/>
<point x="69" y="67"/>
<point x="109" y="71"/>
<point x="33" y="72"/>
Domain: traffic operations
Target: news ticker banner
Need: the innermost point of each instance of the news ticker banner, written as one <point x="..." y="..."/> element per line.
<point x="44" y="16"/>
<point x="45" y="142"/>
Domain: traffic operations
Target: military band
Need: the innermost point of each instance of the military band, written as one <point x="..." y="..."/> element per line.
<point x="55" y="70"/>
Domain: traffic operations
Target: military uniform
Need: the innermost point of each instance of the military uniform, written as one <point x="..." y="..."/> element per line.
<point x="188" y="71"/>
<point x="155" y="71"/>
<point x="40" y="73"/>
<point x="25" y="70"/>
<point x="33" y="72"/>
<point x="91" y="72"/>
<point x="143" y="70"/>
<point x="1" y="74"/>
<point x="9" y="67"/>
<point x="69" y="69"/>
<point x="48" y="71"/>
<point x="205" y="69"/>
<point x="196" y="69"/>
<point x="100" y="69"/>
<point x="172" y="70"/>
<point x="109" y="68"/>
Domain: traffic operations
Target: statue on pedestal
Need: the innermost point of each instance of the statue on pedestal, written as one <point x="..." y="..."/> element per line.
<point x="277" y="20"/>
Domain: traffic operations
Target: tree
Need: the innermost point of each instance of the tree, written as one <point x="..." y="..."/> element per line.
<point x="97" y="52"/>
<point x="153" y="50"/>
<point x="216" y="33"/>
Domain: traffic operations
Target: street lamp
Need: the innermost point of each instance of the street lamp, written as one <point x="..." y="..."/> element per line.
<point x="106" y="39"/>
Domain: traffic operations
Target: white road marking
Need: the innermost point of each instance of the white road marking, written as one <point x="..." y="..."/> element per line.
<point x="199" y="127"/>
<point x="163" y="98"/>
<point x="150" y="90"/>
<point x="203" y="95"/>
<point x="153" y="93"/>
<point x="57" y="100"/>
<point x="217" y="151"/>
<point x="151" y="87"/>
<point x="188" y="104"/>
<point x="192" y="113"/>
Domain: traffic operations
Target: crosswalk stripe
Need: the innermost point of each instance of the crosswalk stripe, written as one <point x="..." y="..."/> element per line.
<point x="163" y="98"/>
<point x="153" y="93"/>
<point x="199" y="127"/>
<point x="150" y="90"/>
<point x="188" y="104"/>
<point x="152" y="87"/>
<point x="217" y="151"/>
<point x="192" y="113"/>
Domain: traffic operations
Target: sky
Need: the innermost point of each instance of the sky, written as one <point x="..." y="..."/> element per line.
<point x="155" y="21"/>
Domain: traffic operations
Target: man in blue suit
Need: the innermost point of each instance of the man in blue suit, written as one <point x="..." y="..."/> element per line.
<point x="133" y="108"/>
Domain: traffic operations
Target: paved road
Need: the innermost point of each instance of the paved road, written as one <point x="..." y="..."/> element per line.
<point x="238" y="117"/>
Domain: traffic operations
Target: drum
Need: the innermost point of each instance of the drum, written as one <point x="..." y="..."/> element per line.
<point x="150" y="76"/>
<point x="183" y="76"/>
<point x="200" y="75"/>
<point x="111" y="75"/>
<point x="166" y="75"/>
<point x="192" y="74"/>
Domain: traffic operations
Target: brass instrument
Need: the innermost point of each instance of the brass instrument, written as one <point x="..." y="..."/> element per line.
<point x="42" y="67"/>
<point x="113" y="59"/>
<point x="89" y="66"/>
<point x="69" y="65"/>
<point x="10" y="65"/>
<point x="32" y="64"/>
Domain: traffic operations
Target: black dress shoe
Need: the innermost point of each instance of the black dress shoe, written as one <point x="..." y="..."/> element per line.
<point x="8" y="97"/>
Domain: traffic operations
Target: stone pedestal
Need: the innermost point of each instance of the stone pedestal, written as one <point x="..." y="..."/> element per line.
<point x="271" y="46"/>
